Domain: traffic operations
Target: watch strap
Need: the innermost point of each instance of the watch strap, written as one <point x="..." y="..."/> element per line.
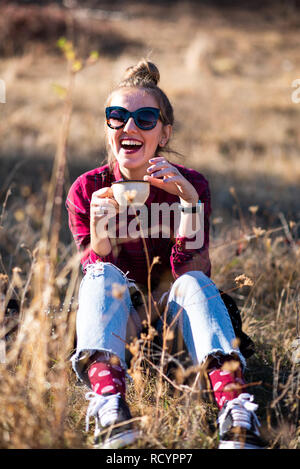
<point x="192" y="209"/>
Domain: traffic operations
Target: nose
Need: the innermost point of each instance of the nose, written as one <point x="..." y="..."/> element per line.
<point x="130" y="125"/>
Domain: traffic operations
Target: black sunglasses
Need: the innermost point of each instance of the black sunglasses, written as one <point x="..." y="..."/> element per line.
<point x="145" y="118"/>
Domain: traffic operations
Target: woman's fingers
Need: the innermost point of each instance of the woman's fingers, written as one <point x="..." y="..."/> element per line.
<point x="103" y="196"/>
<point x="175" y="178"/>
<point x="159" y="165"/>
<point x="156" y="159"/>
<point x="160" y="171"/>
<point x="170" y="171"/>
<point x="107" y="202"/>
<point x="103" y="203"/>
<point x="167" y="177"/>
<point x="103" y="192"/>
<point x="154" y="181"/>
<point x="105" y="207"/>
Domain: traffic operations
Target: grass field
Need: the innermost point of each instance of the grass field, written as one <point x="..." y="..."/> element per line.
<point x="228" y="72"/>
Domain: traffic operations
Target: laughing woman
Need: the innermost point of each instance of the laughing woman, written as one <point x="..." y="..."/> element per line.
<point x="139" y="123"/>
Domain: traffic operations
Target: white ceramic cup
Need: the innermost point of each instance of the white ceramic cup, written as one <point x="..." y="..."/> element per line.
<point x="131" y="192"/>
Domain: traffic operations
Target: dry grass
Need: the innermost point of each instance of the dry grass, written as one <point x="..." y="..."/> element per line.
<point x="242" y="134"/>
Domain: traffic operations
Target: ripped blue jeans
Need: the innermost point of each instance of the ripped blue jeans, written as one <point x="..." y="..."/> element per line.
<point x="105" y="307"/>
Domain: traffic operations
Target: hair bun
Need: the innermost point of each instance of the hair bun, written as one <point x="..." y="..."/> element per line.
<point x="144" y="73"/>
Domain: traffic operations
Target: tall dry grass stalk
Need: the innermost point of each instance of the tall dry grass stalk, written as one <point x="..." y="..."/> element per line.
<point x="35" y="371"/>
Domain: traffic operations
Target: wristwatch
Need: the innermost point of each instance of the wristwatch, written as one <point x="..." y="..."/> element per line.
<point x="193" y="209"/>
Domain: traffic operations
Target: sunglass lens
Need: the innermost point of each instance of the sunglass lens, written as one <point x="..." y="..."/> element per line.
<point x="116" y="118"/>
<point x="146" y="119"/>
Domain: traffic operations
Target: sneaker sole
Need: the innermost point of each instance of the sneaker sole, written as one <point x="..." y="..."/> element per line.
<point x="119" y="441"/>
<point x="237" y="445"/>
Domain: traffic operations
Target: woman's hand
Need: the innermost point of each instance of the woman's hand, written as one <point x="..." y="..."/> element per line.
<point x="103" y="204"/>
<point x="164" y="175"/>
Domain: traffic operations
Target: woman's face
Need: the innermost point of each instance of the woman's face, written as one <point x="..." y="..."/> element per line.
<point x="134" y="161"/>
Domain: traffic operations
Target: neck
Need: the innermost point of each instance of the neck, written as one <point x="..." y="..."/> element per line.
<point x="136" y="174"/>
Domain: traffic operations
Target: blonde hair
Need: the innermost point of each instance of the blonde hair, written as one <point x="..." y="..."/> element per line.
<point x="145" y="75"/>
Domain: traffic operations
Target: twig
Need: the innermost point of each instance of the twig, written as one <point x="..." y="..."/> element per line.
<point x="286" y="229"/>
<point x="4" y="205"/>
<point x="286" y="388"/>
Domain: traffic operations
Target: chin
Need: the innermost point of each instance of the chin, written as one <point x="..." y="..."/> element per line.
<point x="132" y="161"/>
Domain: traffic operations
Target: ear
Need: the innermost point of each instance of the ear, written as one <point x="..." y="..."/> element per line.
<point x="166" y="133"/>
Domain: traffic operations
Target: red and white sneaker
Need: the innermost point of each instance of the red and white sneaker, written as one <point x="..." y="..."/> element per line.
<point x="239" y="425"/>
<point x="113" y="426"/>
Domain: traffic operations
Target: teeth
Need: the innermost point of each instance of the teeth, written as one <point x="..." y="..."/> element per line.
<point x="131" y="142"/>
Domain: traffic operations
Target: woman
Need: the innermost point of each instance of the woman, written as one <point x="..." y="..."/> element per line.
<point x="139" y="120"/>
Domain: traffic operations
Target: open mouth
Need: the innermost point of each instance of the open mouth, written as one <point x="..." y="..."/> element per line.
<point x="131" y="145"/>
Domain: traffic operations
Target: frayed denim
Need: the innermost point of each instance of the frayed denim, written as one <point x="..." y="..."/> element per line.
<point x="193" y="302"/>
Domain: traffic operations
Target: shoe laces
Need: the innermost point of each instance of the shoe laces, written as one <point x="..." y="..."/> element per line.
<point x="242" y="410"/>
<point x="103" y="408"/>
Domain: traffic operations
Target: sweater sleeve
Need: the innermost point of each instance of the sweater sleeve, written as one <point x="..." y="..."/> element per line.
<point x="78" y="206"/>
<point x="184" y="259"/>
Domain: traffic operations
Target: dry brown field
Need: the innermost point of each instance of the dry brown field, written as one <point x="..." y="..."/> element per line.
<point x="229" y="71"/>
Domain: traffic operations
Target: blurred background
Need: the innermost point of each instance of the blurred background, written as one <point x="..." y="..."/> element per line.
<point x="227" y="67"/>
